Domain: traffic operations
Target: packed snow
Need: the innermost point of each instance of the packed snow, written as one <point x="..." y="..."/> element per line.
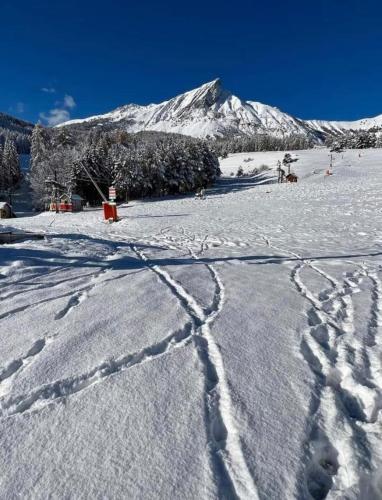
<point x="227" y="347"/>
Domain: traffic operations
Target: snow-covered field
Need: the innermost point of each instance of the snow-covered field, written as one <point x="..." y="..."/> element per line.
<point x="221" y="348"/>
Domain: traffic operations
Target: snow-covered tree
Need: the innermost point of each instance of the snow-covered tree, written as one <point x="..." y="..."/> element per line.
<point x="259" y="142"/>
<point x="142" y="164"/>
<point x="288" y="160"/>
<point x="40" y="145"/>
<point x="2" y="178"/>
<point x="9" y="165"/>
<point x="53" y="157"/>
<point x="356" y="139"/>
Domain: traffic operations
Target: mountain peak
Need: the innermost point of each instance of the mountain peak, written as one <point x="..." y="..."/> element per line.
<point x="210" y="110"/>
<point x="209" y="93"/>
<point x="213" y="83"/>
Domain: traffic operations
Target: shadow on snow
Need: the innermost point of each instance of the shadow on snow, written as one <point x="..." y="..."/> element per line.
<point x="39" y="257"/>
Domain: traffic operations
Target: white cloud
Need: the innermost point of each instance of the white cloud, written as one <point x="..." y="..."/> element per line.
<point x="55" y="116"/>
<point x="69" y="102"/>
<point x="48" y="90"/>
<point x="60" y="113"/>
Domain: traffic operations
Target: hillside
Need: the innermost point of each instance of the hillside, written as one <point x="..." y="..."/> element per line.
<point x="19" y="130"/>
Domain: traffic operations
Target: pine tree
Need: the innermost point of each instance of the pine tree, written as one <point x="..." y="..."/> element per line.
<point x="14" y="163"/>
<point x="2" y="177"/>
<point x="10" y="164"/>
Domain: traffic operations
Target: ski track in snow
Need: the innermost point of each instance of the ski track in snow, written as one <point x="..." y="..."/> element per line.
<point x="32" y="287"/>
<point x="77" y="293"/>
<point x="231" y="473"/>
<point x="230" y="470"/>
<point x="62" y="389"/>
<point x="76" y="297"/>
<point x="232" y="477"/>
<point x="221" y="424"/>
<point x="10" y="372"/>
<point x="346" y="396"/>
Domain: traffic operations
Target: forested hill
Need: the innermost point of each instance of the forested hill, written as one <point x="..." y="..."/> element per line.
<point x="138" y="165"/>
<point x="19" y="131"/>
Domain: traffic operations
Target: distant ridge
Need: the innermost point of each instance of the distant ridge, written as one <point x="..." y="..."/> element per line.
<point x="13" y="124"/>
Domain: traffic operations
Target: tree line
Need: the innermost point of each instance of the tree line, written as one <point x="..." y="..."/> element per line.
<point x="147" y="163"/>
<point x="260" y="142"/>
<point x="143" y="164"/>
<point x="356" y="139"/>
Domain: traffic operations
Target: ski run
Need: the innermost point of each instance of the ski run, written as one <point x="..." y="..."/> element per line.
<point x="227" y="347"/>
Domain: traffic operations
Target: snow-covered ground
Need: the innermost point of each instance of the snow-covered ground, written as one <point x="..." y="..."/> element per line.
<point x="221" y="348"/>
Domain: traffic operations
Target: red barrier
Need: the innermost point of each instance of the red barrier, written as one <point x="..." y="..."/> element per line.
<point x="65" y="207"/>
<point x="62" y="207"/>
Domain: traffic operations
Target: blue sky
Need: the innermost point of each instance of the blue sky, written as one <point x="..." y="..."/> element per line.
<point x="314" y="59"/>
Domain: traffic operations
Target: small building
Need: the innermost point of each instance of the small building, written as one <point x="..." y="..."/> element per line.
<point x="77" y="202"/>
<point x="5" y="210"/>
<point x="72" y="203"/>
<point x="291" y="178"/>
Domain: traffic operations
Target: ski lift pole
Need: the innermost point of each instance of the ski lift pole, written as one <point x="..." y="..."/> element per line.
<point x="55" y="192"/>
<point x="94" y="183"/>
<point x="109" y="207"/>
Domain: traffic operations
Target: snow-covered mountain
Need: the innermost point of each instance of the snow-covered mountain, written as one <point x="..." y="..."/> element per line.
<point x="336" y="127"/>
<point x="210" y="110"/>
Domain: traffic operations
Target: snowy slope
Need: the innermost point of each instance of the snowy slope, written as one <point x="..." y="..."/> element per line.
<point x="212" y="111"/>
<point x="221" y="348"/>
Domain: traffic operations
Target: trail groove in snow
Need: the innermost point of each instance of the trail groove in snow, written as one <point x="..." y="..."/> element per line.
<point x="79" y="296"/>
<point x="10" y="372"/>
<point x="62" y="389"/>
<point x="231" y="473"/>
<point x="344" y="399"/>
<point x="347" y="398"/>
<point x="75" y="297"/>
<point x="220" y="410"/>
<point x="70" y="294"/>
<point x="315" y="226"/>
